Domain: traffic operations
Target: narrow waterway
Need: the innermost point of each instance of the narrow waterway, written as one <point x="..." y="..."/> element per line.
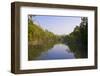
<point x="58" y="51"/>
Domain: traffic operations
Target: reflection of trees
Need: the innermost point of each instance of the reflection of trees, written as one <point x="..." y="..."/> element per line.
<point x="35" y="50"/>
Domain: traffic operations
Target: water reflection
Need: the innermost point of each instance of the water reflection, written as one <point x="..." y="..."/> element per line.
<point x="54" y="51"/>
<point x="79" y="50"/>
<point x="59" y="51"/>
<point x="49" y="51"/>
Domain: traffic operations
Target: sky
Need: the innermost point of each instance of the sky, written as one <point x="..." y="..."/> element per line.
<point x="60" y="25"/>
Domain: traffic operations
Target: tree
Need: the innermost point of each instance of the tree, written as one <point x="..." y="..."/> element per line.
<point x="77" y="40"/>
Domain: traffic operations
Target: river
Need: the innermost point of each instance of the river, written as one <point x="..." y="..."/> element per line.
<point x="55" y="51"/>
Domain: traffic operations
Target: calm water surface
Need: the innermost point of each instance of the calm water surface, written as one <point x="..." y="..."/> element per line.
<point x="53" y="51"/>
<point x="59" y="51"/>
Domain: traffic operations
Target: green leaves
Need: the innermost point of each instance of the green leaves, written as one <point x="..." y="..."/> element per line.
<point x="77" y="40"/>
<point x="37" y="35"/>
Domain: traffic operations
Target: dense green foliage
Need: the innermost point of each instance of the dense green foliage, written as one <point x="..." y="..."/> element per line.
<point x="36" y="35"/>
<point x="77" y="40"/>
